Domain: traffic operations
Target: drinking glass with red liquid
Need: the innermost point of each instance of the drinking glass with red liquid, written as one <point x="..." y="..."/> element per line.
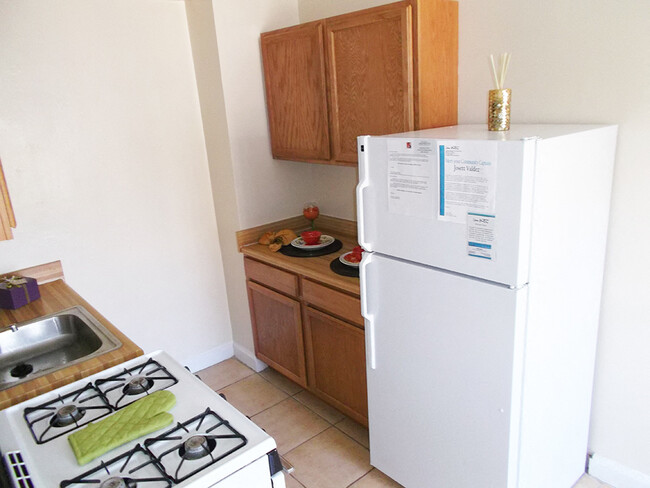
<point x="310" y="211"/>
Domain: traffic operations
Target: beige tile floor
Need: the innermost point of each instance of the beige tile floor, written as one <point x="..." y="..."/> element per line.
<point x="325" y="448"/>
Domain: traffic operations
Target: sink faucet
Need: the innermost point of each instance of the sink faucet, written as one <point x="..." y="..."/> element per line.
<point x="13" y="327"/>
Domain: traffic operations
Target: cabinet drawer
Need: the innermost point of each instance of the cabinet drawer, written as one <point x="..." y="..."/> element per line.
<point x="336" y="302"/>
<point x="273" y="277"/>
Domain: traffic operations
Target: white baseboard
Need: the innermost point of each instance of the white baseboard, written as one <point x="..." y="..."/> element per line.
<point x="616" y="474"/>
<point x="208" y="358"/>
<point x="247" y="357"/>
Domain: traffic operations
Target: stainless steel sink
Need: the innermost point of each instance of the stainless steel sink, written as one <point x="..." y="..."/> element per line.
<point x="41" y="346"/>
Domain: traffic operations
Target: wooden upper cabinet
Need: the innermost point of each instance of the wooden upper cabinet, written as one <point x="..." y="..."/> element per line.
<point x="296" y="92"/>
<point x="370" y="67"/>
<point x="7" y="219"/>
<point x="436" y="63"/>
<point x="382" y="70"/>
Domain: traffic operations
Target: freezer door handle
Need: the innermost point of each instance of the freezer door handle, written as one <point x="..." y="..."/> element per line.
<point x="365" y="311"/>
<point x="362" y="143"/>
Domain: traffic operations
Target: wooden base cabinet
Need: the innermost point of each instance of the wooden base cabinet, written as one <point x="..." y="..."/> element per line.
<point x="336" y="363"/>
<point x="387" y="69"/>
<point x="311" y="333"/>
<point x="277" y="331"/>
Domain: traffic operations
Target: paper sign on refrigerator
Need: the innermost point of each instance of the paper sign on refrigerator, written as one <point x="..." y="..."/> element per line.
<point x="481" y="236"/>
<point x="411" y="177"/>
<point x="467" y="179"/>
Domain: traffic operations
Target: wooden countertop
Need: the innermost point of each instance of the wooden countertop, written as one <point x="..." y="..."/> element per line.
<point x="317" y="268"/>
<point x="57" y="296"/>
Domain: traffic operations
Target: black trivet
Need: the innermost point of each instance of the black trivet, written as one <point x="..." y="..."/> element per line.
<point x="344" y="270"/>
<point x="303" y="253"/>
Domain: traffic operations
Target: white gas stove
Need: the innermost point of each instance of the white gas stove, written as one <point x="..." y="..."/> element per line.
<point x="209" y="444"/>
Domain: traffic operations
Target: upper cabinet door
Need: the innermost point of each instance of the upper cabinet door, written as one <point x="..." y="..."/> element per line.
<point x="370" y="56"/>
<point x="296" y="93"/>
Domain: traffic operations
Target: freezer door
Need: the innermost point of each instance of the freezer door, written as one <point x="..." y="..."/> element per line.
<point x="416" y="204"/>
<point x="444" y="361"/>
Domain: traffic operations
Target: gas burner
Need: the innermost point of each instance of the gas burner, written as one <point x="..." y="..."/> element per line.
<point x="133" y="469"/>
<point x="194" y="445"/>
<point x="134" y="383"/>
<point x="117" y="482"/>
<point x="197" y="447"/>
<point x="137" y="385"/>
<point x="65" y="413"/>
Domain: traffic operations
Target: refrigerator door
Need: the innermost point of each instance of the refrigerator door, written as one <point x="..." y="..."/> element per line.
<point x="444" y="367"/>
<point x="465" y="208"/>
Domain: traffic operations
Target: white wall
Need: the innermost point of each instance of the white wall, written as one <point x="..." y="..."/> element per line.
<point x="251" y="186"/>
<point x="579" y="61"/>
<point x="584" y="61"/>
<point x="266" y="189"/>
<point x="103" y="150"/>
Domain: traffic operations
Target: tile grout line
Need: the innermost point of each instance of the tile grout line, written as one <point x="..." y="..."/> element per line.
<point x="311" y="409"/>
<point x="360" y="477"/>
<point x="348" y="435"/>
<point x="225" y="386"/>
<point x="307" y="440"/>
<point x="267" y="408"/>
<point x="293" y="397"/>
<point x="331" y="424"/>
<point x="297" y="480"/>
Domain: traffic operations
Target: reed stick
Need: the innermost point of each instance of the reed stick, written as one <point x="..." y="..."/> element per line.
<point x="494" y="73"/>
<point x="500" y="79"/>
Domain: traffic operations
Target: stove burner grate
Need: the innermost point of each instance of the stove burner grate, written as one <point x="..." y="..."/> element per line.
<point x="194" y="445"/>
<point x="133" y="469"/>
<point x="132" y="384"/>
<point x="137" y="385"/>
<point x="118" y="482"/>
<point x="65" y="413"/>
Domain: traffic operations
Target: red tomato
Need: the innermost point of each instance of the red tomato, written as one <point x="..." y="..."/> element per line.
<point x="352" y="257"/>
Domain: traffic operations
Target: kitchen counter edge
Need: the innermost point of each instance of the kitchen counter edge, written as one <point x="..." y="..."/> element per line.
<point x="57" y="296"/>
<point x="315" y="268"/>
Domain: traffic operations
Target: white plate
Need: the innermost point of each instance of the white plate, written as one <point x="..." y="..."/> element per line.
<point x="347" y="263"/>
<point x="324" y="241"/>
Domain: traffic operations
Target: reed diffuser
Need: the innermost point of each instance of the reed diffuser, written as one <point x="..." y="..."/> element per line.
<point x="499" y="98"/>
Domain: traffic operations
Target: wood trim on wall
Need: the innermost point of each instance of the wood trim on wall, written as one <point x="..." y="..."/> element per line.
<point x="43" y="273"/>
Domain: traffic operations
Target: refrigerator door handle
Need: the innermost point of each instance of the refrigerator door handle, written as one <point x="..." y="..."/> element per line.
<point x="365" y="312"/>
<point x="364" y="182"/>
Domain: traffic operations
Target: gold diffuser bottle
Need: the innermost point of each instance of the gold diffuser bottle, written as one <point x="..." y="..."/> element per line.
<point x="499" y="98"/>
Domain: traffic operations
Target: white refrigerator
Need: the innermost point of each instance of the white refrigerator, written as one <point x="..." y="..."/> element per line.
<point x="480" y="290"/>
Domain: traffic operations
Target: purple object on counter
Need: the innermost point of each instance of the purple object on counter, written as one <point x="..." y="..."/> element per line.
<point x="17" y="291"/>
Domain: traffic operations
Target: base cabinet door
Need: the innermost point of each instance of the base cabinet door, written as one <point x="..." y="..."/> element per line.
<point x="336" y="363"/>
<point x="277" y="331"/>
